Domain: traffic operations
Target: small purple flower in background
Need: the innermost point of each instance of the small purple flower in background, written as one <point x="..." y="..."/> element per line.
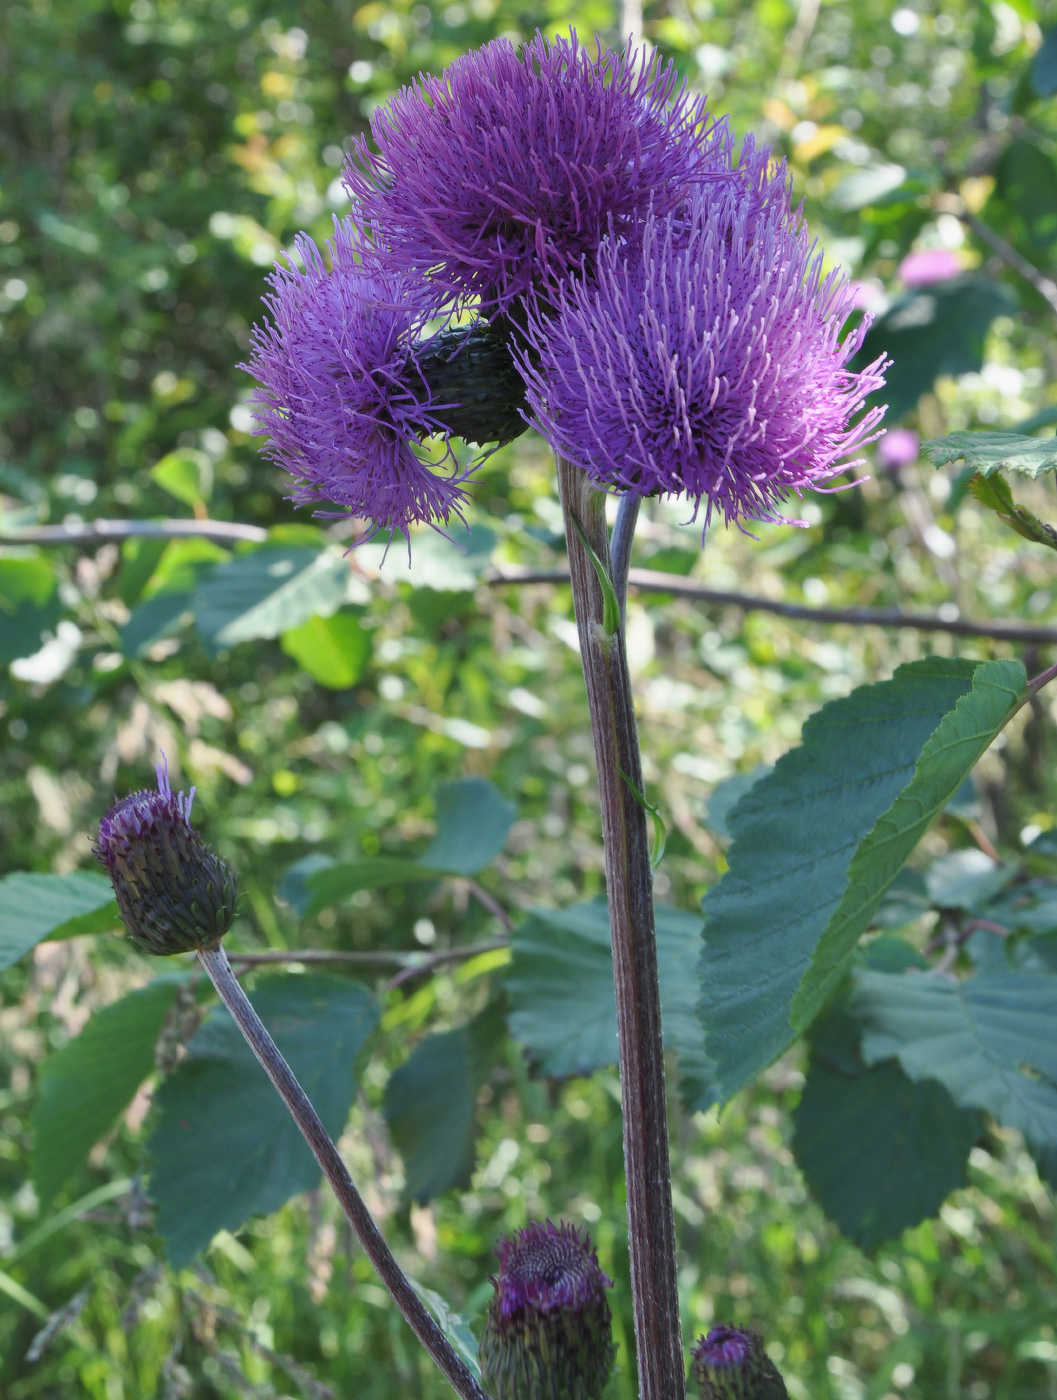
<point x="504" y="173"/>
<point x="548" y="1334"/>
<point x="898" y="448"/>
<point x="707" y="361"/>
<point x="344" y="408"/>
<point x="731" y="1364"/>
<point x="173" y="893"/>
<point x="930" y="265"/>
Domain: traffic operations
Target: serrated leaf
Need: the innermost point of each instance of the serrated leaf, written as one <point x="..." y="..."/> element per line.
<point x="224" y="1145"/>
<point x="333" y="650"/>
<point x="725" y="797"/>
<point x="879" y="1153"/>
<point x="563" y="1010"/>
<point x="88" y="1084"/>
<point x="158" y="617"/>
<point x="975" y="1038"/>
<point x="35" y="907"/>
<point x="989" y="452"/>
<point x="28" y="605"/>
<point x="994" y="493"/>
<point x="473" y="823"/>
<point x="328" y="886"/>
<point x="932" y="331"/>
<point x="268" y="591"/>
<point x="818" y="841"/>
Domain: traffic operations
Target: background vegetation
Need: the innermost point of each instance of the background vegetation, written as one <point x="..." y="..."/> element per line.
<point x="156" y="156"/>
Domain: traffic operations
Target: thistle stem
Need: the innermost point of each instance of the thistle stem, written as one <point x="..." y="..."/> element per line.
<point x="620" y="546"/>
<point x="216" y="964"/>
<point x="629" y="882"/>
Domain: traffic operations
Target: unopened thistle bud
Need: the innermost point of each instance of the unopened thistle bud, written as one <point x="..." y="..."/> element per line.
<point x="731" y="1364"/>
<point x="174" y="894"/>
<point x="549" y="1332"/>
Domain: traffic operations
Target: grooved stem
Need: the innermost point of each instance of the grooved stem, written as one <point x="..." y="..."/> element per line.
<point x="216" y="964"/>
<point x="629" y="882"/>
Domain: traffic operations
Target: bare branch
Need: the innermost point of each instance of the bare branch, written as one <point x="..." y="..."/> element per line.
<point x="93" y="532"/>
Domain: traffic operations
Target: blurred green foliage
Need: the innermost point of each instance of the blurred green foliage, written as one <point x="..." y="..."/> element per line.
<point x="156" y="157"/>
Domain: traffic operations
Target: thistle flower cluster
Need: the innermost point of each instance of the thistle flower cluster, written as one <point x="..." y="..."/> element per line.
<point x="636" y="290"/>
<point x="548" y="1334"/>
<point x="174" y="894"/>
<point x="731" y="1364"/>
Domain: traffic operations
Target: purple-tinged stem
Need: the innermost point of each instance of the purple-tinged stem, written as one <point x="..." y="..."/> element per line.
<point x="629" y="883"/>
<point x="216" y="964"/>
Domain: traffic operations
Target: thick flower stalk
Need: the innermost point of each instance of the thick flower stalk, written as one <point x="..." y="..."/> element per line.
<point x="731" y="1364"/>
<point x="548" y="1334"/>
<point x="707" y="360"/>
<point x="174" y="894"/>
<point x="502" y="175"/>
<point x="358" y="403"/>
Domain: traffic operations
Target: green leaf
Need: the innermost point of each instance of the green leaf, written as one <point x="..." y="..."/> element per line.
<point x="446" y="565"/>
<point x="966" y="879"/>
<point x="726" y="796"/>
<point x="186" y="474"/>
<point x="975" y="1038"/>
<point x="1026" y="183"/>
<point x="28" y="605"/>
<point x="862" y="187"/>
<point x="1044" y="65"/>
<point x="224" y="1145"/>
<point x="293" y="886"/>
<point x="610" y="605"/>
<point x="430" y="1102"/>
<point x="932" y="331"/>
<point x="452" y="1325"/>
<point x="336" y="882"/>
<point x="268" y="591"/>
<point x="994" y="493"/>
<point x="989" y="452"/>
<point x="878" y="1152"/>
<point x="36" y="907"/>
<point x="473" y="823"/>
<point x="333" y="650"/>
<point x="88" y="1084"/>
<point x="158" y="617"/>
<point x="818" y="841"/>
<point x="560" y="985"/>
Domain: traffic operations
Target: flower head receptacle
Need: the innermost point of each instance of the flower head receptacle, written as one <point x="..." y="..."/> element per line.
<point x="174" y="894"/>
<point x="548" y="1334"/>
<point x="731" y="1364"/>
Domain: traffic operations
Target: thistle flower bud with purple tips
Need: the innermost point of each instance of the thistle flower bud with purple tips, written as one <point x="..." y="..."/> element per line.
<point x="731" y="1364"/>
<point x="549" y="1332"/>
<point x="707" y="360"/>
<point x="502" y="175"/>
<point x="174" y="894"/>
<point x="351" y="394"/>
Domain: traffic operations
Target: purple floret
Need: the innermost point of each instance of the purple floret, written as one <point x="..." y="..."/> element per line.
<point x="344" y="409"/>
<point x="725" y="1346"/>
<point x="546" y="1267"/>
<point x="706" y="360"/>
<point x="502" y="175"/>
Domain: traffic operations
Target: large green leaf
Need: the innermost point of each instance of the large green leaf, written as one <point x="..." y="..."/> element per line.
<point x="35" y="907"/>
<point x="1026" y="183"/>
<point x="975" y="1038"/>
<point x="158" y="617"/>
<point x="87" y="1084"/>
<point x="990" y="452"/>
<point x="268" y="591"/>
<point x="186" y="474"/>
<point x="818" y="841"/>
<point x="333" y="650"/>
<point x="560" y="985"/>
<point x="932" y="331"/>
<point x="224" y="1145"/>
<point x="473" y="822"/>
<point x="429" y="1103"/>
<point x="447" y="565"/>
<point x="28" y="605"/>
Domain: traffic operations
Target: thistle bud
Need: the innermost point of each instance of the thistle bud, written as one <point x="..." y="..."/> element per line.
<point x="549" y="1332"/>
<point x="472" y="369"/>
<point x="731" y="1364"/>
<point x="174" y="894"/>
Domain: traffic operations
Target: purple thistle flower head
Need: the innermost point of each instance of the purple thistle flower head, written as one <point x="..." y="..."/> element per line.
<point x="731" y="1364"/>
<point x="502" y="175"/>
<point x="548" y="1334"/>
<point x="174" y="894"/>
<point x="345" y="410"/>
<point x="706" y="360"/>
